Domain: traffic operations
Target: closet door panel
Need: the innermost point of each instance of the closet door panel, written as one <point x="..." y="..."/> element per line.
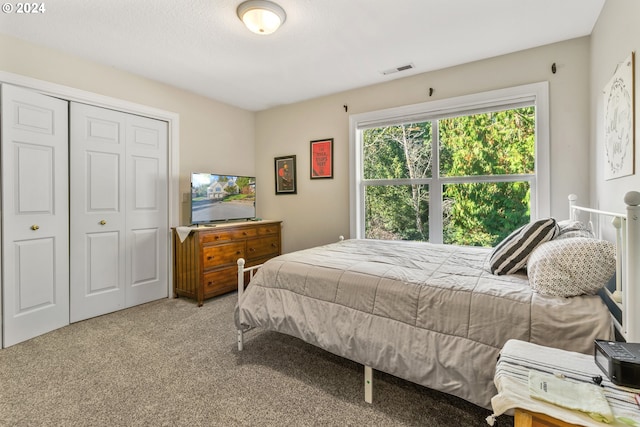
<point x="146" y="182"/>
<point x="145" y="247"/>
<point x="35" y="214"/>
<point x="34" y="173"/>
<point x="97" y="173"/>
<point x="35" y="286"/>
<point x="103" y="186"/>
<point x="147" y="210"/>
<point x="103" y="269"/>
<point x="118" y="188"/>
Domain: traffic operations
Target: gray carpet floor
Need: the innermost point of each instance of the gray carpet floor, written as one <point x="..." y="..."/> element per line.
<point x="170" y="363"/>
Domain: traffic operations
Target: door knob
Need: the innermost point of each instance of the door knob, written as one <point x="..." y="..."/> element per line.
<point x="34" y="227"/>
<point x="103" y="222"/>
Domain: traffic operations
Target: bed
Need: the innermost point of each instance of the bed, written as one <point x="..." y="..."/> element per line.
<point x="434" y="314"/>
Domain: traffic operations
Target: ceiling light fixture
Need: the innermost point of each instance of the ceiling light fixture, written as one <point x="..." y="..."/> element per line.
<point x="261" y="16"/>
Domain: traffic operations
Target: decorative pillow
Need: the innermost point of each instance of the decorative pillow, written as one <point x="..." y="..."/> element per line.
<point x="571" y="267"/>
<point x="569" y="228"/>
<point x="512" y="253"/>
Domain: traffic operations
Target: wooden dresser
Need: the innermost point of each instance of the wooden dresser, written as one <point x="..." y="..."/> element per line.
<point x="205" y="263"/>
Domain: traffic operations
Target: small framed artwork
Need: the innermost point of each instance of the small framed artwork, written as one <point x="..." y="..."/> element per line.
<point x="322" y="158"/>
<point x="285" y="170"/>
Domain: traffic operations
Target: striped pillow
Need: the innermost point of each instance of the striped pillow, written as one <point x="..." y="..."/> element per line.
<point x="512" y="253"/>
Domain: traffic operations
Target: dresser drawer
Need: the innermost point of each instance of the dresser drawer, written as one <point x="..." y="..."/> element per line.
<point x="227" y="253"/>
<point x="220" y="281"/>
<point x="227" y="235"/>
<point x="257" y="248"/>
<point x="268" y="229"/>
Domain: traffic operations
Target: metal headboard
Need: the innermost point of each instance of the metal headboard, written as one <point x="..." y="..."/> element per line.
<point x="626" y="227"/>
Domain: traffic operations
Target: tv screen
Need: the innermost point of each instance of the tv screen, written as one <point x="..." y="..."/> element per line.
<point x="217" y="198"/>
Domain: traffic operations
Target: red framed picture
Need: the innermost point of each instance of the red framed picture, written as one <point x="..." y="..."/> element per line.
<point x="322" y="158"/>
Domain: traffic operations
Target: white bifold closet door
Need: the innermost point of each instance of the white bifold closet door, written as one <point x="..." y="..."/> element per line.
<point x="35" y="214"/>
<point x="118" y="208"/>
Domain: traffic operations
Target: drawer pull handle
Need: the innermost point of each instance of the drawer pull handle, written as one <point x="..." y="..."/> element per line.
<point x="35" y="227"/>
<point x="209" y="258"/>
<point x="244" y="233"/>
<point x="103" y="222"/>
<point x="252" y="249"/>
<point x="273" y="245"/>
<point x="210" y="283"/>
<point x="216" y="237"/>
<point x="238" y="252"/>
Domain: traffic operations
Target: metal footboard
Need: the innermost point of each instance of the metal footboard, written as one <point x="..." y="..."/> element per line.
<point x="368" y="370"/>
<point x="241" y="272"/>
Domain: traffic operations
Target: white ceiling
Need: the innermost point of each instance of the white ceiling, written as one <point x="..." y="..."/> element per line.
<point x="324" y="47"/>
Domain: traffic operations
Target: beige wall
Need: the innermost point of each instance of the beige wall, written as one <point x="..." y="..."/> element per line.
<point x="615" y="36"/>
<point x="319" y="213"/>
<point x="213" y="136"/>
<point x="217" y="137"/>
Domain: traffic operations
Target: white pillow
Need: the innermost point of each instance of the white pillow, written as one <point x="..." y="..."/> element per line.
<point x="511" y="254"/>
<point x="571" y="267"/>
<point x="569" y="228"/>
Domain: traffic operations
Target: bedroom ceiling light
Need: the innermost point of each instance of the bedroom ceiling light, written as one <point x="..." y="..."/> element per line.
<point x="261" y="16"/>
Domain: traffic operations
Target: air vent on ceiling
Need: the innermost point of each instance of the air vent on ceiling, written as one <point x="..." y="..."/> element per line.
<point x="397" y="69"/>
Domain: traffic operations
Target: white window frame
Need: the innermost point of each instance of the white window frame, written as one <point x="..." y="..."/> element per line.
<point x="536" y="94"/>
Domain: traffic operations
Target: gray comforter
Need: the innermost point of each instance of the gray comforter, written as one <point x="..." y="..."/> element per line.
<point x="431" y="314"/>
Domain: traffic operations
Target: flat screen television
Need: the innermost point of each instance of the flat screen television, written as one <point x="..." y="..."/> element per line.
<point x="216" y="198"/>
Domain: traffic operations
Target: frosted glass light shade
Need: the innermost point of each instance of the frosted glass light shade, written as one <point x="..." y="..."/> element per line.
<point x="261" y="16"/>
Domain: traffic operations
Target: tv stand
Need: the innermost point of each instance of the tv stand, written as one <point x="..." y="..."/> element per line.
<point x="205" y="263"/>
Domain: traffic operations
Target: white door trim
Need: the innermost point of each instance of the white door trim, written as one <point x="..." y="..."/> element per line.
<point x="173" y="120"/>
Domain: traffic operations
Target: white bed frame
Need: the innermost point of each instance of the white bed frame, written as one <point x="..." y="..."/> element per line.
<point x="627" y="240"/>
<point x="627" y="292"/>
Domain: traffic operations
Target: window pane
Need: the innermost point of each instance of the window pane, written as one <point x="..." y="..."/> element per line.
<point x="397" y="212"/>
<point x="495" y="143"/>
<point x="482" y="214"/>
<point x="397" y="152"/>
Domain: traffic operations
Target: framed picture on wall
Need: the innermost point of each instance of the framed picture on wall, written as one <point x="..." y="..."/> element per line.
<point x="619" y="118"/>
<point x="285" y="171"/>
<point x="322" y="158"/>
